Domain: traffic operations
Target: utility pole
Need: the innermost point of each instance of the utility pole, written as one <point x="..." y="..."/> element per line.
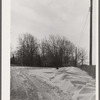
<point x="91" y="8"/>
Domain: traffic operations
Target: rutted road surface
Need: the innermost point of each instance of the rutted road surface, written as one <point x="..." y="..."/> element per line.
<point x="51" y="84"/>
<point x="27" y="87"/>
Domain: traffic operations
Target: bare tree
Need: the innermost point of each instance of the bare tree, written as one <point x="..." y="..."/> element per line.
<point x="57" y="50"/>
<point x="83" y="57"/>
<point x="79" y="56"/>
<point x="54" y="51"/>
<point x="27" y="50"/>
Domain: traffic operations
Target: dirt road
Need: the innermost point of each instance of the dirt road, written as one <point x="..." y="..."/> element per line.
<point x="51" y="84"/>
<point x="30" y="87"/>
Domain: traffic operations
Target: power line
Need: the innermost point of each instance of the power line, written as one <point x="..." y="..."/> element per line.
<point x="83" y="28"/>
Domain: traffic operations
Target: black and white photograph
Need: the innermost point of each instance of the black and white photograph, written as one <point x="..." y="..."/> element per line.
<point x="53" y="49"/>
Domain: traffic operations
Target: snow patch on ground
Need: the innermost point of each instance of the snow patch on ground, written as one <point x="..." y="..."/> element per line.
<point x="67" y="83"/>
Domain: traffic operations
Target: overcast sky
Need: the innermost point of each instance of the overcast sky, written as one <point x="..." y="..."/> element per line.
<point x="43" y="17"/>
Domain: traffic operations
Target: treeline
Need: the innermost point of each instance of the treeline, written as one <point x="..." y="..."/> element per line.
<point x="54" y="51"/>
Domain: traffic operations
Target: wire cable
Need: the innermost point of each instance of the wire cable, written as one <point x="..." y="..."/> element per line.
<point x="83" y="28"/>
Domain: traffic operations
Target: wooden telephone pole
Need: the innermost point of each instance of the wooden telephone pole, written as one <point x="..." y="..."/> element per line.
<point x="91" y="8"/>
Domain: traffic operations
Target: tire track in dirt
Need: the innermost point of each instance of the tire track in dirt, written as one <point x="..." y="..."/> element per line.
<point x="27" y="87"/>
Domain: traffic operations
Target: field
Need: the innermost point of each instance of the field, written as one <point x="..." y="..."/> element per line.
<point x="51" y="84"/>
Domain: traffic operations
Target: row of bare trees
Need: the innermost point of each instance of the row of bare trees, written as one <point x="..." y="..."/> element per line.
<point x="54" y="51"/>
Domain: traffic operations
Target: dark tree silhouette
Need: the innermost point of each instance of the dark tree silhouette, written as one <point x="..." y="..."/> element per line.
<point x="55" y="51"/>
<point x="79" y="57"/>
<point x="27" y="50"/>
